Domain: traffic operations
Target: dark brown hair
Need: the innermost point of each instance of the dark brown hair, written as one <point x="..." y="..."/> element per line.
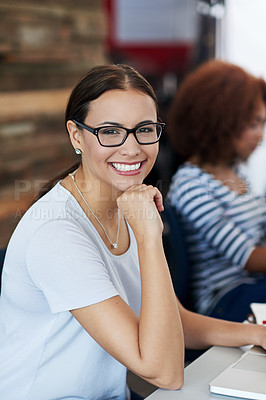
<point x="212" y="107"/>
<point x="97" y="81"/>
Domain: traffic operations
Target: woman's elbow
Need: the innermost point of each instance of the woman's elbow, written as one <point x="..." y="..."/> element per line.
<point x="170" y="381"/>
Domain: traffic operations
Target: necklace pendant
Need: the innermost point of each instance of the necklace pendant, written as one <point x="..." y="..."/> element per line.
<point x="114" y="245"/>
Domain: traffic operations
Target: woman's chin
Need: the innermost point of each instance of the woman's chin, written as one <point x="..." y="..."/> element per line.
<point x="125" y="184"/>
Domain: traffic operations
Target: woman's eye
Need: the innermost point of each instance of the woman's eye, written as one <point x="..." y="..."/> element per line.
<point x="254" y="125"/>
<point x="110" y="131"/>
<point x="257" y="124"/>
<point x="145" y="130"/>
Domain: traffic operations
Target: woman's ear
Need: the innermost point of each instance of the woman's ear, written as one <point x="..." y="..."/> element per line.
<point x="74" y="134"/>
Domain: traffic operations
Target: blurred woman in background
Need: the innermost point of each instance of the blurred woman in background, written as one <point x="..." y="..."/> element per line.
<point x="215" y="122"/>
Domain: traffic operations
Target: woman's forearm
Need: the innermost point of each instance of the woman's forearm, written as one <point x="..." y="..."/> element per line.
<point x="160" y="329"/>
<point x="257" y="260"/>
<point x="202" y="331"/>
<point x="159" y="335"/>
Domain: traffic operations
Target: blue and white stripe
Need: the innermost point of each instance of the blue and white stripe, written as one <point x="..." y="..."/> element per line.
<point x="221" y="227"/>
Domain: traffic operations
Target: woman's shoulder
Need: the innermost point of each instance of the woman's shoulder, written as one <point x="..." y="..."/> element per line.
<point x="54" y="208"/>
<point x="189" y="181"/>
<point x="188" y="174"/>
<point x="188" y="171"/>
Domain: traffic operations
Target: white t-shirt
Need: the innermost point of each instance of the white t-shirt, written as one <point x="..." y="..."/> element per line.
<point x="56" y="262"/>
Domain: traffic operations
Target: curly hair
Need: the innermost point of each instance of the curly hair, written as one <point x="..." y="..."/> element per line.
<point x="212" y="107"/>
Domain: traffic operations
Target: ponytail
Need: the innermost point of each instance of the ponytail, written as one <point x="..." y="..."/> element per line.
<point x="45" y="189"/>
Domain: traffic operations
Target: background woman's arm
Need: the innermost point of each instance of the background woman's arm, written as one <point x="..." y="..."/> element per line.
<point x="257" y="260"/>
<point x="201" y="332"/>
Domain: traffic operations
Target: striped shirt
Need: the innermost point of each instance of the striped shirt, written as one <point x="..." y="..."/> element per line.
<point x="221" y="230"/>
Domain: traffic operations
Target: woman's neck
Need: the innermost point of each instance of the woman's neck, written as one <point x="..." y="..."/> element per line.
<point x="99" y="195"/>
<point x="220" y="165"/>
<point x="100" y="206"/>
<point x="223" y="172"/>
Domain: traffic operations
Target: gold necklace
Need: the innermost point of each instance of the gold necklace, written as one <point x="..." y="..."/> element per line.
<point x="113" y="244"/>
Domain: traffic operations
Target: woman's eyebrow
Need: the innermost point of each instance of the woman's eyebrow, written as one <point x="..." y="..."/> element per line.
<point x="117" y="124"/>
<point x="148" y="121"/>
<point x="109" y="123"/>
<point x="259" y="119"/>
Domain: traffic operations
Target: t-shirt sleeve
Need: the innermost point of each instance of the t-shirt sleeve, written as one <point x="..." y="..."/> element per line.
<point x="204" y="212"/>
<point x="66" y="266"/>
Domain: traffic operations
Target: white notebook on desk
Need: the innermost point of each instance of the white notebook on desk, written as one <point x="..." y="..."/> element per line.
<point x="246" y="378"/>
<point x="259" y="311"/>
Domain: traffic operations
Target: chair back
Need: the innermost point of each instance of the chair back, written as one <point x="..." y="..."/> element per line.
<point x="176" y="255"/>
<point x="2" y="257"/>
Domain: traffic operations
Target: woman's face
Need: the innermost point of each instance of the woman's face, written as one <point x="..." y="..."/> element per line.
<point x="252" y="135"/>
<point x="109" y="165"/>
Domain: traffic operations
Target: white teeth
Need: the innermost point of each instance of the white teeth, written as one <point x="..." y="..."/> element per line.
<point x="126" y="167"/>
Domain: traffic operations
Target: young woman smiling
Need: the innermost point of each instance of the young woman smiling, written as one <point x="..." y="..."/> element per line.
<point x="86" y="288"/>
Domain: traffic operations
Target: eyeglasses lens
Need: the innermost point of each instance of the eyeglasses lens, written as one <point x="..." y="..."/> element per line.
<point x="114" y="136"/>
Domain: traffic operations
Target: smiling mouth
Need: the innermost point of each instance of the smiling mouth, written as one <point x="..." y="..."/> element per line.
<point x="126" y="167"/>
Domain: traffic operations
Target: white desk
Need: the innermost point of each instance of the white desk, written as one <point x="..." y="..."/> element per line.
<point x="198" y="375"/>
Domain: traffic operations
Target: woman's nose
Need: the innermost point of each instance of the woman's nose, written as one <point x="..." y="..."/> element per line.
<point x="260" y="133"/>
<point x="131" y="146"/>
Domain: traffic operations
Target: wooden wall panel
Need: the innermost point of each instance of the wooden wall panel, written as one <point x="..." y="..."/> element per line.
<point x="45" y="47"/>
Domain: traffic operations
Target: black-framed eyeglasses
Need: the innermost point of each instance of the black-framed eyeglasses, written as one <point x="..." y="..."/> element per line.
<point x="112" y="136"/>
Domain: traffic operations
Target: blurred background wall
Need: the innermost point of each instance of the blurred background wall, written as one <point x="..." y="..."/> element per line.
<point x="45" y="47"/>
<point x="242" y="42"/>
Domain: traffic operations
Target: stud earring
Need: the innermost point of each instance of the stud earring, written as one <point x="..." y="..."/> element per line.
<point x="78" y="151"/>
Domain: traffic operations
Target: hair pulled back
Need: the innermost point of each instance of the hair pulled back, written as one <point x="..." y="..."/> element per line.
<point x="212" y="107"/>
<point x="96" y="82"/>
<point x="99" y="80"/>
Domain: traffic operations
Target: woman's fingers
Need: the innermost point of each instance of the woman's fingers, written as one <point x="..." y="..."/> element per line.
<point x="158" y="199"/>
<point x="141" y="193"/>
<point x="140" y="205"/>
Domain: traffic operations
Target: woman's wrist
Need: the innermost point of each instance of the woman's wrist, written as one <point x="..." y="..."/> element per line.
<point x="260" y="336"/>
<point x="149" y="241"/>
